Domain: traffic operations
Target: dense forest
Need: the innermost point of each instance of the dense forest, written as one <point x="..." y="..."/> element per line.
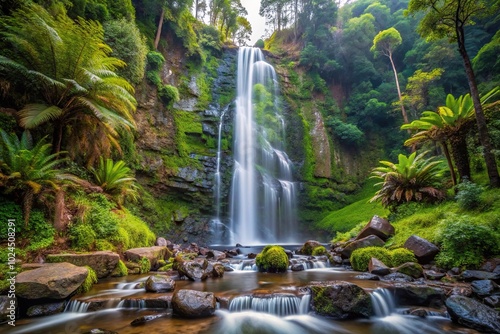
<point x="107" y="129"/>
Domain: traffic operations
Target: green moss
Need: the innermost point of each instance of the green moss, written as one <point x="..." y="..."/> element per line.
<point x="322" y="304"/>
<point x="82" y="236"/>
<point x="145" y="265"/>
<point x="361" y="257"/>
<point x="90" y="280"/>
<point x="102" y="245"/>
<point x="320" y="250"/>
<point x="400" y="256"/>
<point x="120" y="270"/>
<point x="272" y="259"/>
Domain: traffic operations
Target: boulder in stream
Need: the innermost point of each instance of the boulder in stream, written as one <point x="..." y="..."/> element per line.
<point x="411" y="269"/>
<point x="471" y="313"/>
<point x="377" y="267"/>
<point x="159" y="283"/>
<point x="56" y="281"/>
<point x="103" y="262"/>
<point x="45" y="309"/>
<point x="417" y="295"/>
<point x="153" y="254"/>
<point x="340" y="300"/>
<point x="371" y="240"/>
<point x="193" y="304"/>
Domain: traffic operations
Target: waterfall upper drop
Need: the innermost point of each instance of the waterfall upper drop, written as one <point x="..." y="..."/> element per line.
<point x="263" y="194"/>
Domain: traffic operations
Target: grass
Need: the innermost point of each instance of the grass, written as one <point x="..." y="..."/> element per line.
<point x="361" y="210"/>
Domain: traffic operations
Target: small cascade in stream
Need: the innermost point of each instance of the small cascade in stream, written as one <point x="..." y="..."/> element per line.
<point x="76" y="306"/>
<point x="383" y="302"/>
<point x="276" y="304"/>
<point x="263" y="193"/>
<point x="132" y="303"/>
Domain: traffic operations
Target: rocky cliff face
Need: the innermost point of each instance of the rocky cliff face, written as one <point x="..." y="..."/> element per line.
<point x="177" y="146"/>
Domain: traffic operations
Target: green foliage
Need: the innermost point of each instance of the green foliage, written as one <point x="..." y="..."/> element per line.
<point x="361" y="257"/>
<point x="346" y="236"/>
<point x="465" y="243"/>
<point x="155" y="60"/>
<point x="413" y="178"/>
<point x="82" y="237"/>
<point x="73" y="84"/>
<point x="145" y="265"/>
<point x="386" y="41"/>
<point x="210" y="39"/>
<point x="259" y="44"/>
<point x="28" y="170"/>
<point x="90" y="280"/>
<point x="169" y="95"/>
<point x="116" y="179"/>
<point x="348" y="133"/>
<point x="320" y="250"/>
<point x="400" y="256"/>
<point x="128" y="45"/>
<point x="469" y="195"/>
<point x="272" y="259"/>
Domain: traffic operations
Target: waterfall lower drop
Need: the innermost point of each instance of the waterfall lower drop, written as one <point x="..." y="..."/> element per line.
<point x="280" y="304"/>
<point x="383" y="303"/>
<point x="263" y="194"/>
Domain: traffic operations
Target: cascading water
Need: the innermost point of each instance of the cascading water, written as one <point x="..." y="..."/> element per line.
<point x="263" y="194"/>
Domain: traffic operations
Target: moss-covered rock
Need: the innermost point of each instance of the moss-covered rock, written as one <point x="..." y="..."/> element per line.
<point x="412" y="269"/>
<point x="320" y="250"/>
<point x="340" y="300"/>
<point x="272" y="259"/>
<point x="89" y="281"/>
<point x="361" y="257"/>
<point x="400" y="256"/>
<point x="120" y="270"/>
<point x="308" y="247"/>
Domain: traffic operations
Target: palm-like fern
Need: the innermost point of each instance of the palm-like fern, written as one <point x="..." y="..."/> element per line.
<point x="448" y="126"/>
<point x="27" y="169"/>
<point x="70" y="74"/>
<point x="413" y="178"/>
<point x="116" y="179"/>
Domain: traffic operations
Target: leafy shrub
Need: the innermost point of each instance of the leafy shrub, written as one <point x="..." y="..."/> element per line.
<point x="272" y="259"/>
<point x="168" y="94"/>
<point x="82" y="236"/>
<point x="361" y="257"/>
<point x="103" y="245"/>
<point x="138" y="231"/>
<point x="346" y="132"/>
<point x="154" y="78"/>
<point x="400" y="256"/>
<point x="155" y="60"/>
<point x="320" y="250"/>
<point x="465" y="244"/>
<point x="259" y="44"/>
<point x="346" y="236"/>
<point x="469" y="195"/>
<point x="90" y="280"/>
<point x="145" y="265"/>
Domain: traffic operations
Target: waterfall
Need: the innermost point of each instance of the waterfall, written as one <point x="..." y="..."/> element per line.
<point x="217" y="176"/>
<point x="76" y="306"/>
<point x="263" y="194"/>
<point x="383" y="302"/>
<point x="281" y="305"/>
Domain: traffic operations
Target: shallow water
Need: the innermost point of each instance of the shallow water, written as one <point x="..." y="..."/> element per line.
<point x="233" y="284"/>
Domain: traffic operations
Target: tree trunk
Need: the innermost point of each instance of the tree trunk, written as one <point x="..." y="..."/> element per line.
<point x="403" y="111"/>
<point x="446" y="151"/>
<point x="484" y="137"/>
<point x="461" y="155"/>
<point x="57" y="137"/>
<point x="160" y="26"/>
<point x="60" y="221"/>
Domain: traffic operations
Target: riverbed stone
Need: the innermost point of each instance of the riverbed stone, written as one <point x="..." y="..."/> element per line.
<point x="377" y="267"/>
<point x="100" y="331"/>
<point x="484" y="288"/>
<point x="8" y="307"/>
<point x="471" y="275"/>
<point x="56" y="281"/>
<point x="398" y="277"/>
<point x="162" y="242"/>
<point x="412" y="269"/>
<point x="433" y="275"/>
<point x="368" y="277"/>
<point x="424" y="250"/>
<point x="153" y="254"/>
<point x="308" y="247"/>
<point x="195" y="269"/>
<point x="102" y="262"/>
<point x="45" y="309"/>
<point x="377" y="226"/>
<point x="418" y="295"/>
<point x="369" y="241"/>
<point x="159" y="283"/>
<point x="147" y="318"/>
<point x="193" y="304"/>
<point x="216" y="255"/>
<point x="340" y="300"/>
<point x="473" y="314"/>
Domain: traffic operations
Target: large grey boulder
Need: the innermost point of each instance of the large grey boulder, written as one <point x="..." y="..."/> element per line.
<point x="195" y="269"/>
<point x="471" y="313"/>
<point x="103" y="263"/>
<point x="424" y="250"/>
<point x="340" y="300"/>
<point x="45" y="309"/>
<point x="485" y="288"/>
<point x="377" y="226"/>
<point x="418" y="295"/>
<point x="153" y="254"/>
<point x="56" y="281"/>
<point x="193" y="304"/>
<point x="472" y="275"/>
<point x="159" y="283"/>
<point x="369" y="241"/>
